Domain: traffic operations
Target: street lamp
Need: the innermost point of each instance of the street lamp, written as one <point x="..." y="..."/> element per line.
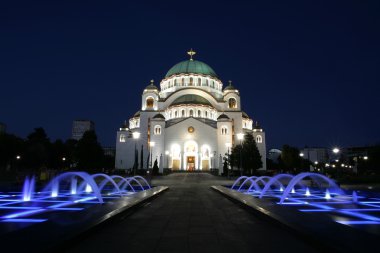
<point x="336" y="152"/>
<point x="301" y="154"/>
<point x="136" y="136"/>
<point x="228" y="145"/>
<point x="240" y="137"/>
<point x="18" y="157"/>
<point x="167" y="158"/>
<point x="151" y="145"/>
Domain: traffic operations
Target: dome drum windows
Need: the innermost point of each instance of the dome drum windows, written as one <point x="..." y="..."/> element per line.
<point x="259" y="139"/>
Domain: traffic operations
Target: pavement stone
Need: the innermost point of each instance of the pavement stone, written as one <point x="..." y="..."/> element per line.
<point x="190" y="217"/>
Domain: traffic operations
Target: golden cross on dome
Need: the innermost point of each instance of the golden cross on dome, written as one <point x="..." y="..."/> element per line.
<point x="191" y="53"/>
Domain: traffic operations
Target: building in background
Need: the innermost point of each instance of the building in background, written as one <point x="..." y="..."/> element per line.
<point x="190" y="123"/>
<point x="80" y="127"/>
<point x="3" y="128"/>
<point x="319" y="155"/>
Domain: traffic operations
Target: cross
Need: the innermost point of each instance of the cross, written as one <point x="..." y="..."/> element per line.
<point x="230" y="82"/>
<point x="152" y="82"/>
<point x="191" y="53"/>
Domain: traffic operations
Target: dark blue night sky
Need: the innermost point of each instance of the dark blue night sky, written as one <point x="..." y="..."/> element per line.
<point x="308" y="71"/>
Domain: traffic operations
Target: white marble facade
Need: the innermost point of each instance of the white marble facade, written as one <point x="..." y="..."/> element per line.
<point x="188" y="124"/>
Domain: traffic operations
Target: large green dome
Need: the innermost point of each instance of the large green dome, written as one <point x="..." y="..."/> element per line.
<point x="193" y="67"/>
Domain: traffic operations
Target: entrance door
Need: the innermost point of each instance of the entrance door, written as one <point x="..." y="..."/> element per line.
<point x="205" y="165"/>
<point x="191" y="163"/>
<point x="175" y="164"/>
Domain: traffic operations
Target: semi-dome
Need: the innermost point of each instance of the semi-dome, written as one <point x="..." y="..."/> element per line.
<point x="191" y="99"/>
<point x="159" y="116"/>
<point x="223" y="116"/>
<point x="191" y="67"/>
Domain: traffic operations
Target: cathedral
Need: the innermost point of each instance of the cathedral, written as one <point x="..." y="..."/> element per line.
<point x="190" y="123"/>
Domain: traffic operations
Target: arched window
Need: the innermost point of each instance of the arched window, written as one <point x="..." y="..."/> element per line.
<point x="175" y="82"/>
<point x="191" y="113"/>
<point x="183" y="81"/>
<point x="183" y="113"/>
<point x="191" y="81"/>
<point x="206" y="114"/>
<point x="170" y="115"/>
<point x="157" y="130"/>
<point x="259" y="139"/>
<point x="224" y="130"/>
<point x="199" y="113"/>
<point x="123" y="138"/>
<point x="232" y="103"/>
<point x="175" y="114"/>
<point x="199" y="82"/>
<point x="149" y="102"/>
<point x="212" y="84"/>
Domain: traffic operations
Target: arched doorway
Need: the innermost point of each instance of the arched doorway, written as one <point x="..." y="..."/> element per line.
<point x="190" y="158"/>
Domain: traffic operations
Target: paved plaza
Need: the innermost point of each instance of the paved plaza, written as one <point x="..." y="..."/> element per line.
<point x="190" y="217"/>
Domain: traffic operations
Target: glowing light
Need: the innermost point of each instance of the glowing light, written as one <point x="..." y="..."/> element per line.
<point x="240" y="136"/>
<point x="365" y="157"/>
<point x="281" y="189"/>
<point x="88" y="188"/>
<point x="136" y="135"/>
<point x="336" y="150"/>
<point x="327" y="194"/>
<point x="301" y="154"/>
<point x="24" y="220"/>
<point x="293" y="191"/>
<point x="307" y="193"/>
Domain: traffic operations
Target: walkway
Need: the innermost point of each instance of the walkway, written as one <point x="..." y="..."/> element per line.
<point x="191" y="217"/>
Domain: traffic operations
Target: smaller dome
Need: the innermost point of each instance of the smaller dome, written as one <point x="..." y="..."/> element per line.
<point x="159" y="116"/>
<point x="230" y="86"/>
<point x="257" y="126"/>
<point x="223" y="116"/>
<point x="244" y="115"/>
<point x="151" y="86"/>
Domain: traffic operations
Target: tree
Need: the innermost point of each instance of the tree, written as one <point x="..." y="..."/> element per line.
<point x="155" y="168"/>
<point x="38" y="147"/>
<point x="290" y="159"/>
<point x="248" y="154"/>
<point x="89" y="153"/>
<point x="11" y="146"/>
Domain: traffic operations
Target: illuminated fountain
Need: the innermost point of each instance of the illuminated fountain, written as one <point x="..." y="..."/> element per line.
<point x="28" y="189"/>
<point x="65" y="192"/>
<point x="318" y="194"/>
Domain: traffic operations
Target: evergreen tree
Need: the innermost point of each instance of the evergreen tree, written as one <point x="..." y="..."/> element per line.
<point x="247" y="155"/>
<point x="89" y="153"/>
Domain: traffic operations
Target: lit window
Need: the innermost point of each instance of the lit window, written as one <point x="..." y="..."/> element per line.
<point x="122" y="138"/>
<point x="232" y="103"/>
<point x="149" y="102"/>
<point x="191" y="113"/>
<point x="259" y="139"/>
<point x="157" y="130"/>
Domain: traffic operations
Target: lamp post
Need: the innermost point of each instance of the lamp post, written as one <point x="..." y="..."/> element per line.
<point x="240" y="138"/>
<point x="167" y="158"/>
<point x="151" y="145"/>
<point x="136" y="136"/>
<point x="336" y="152"/>
<point x="228" y="145"/>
